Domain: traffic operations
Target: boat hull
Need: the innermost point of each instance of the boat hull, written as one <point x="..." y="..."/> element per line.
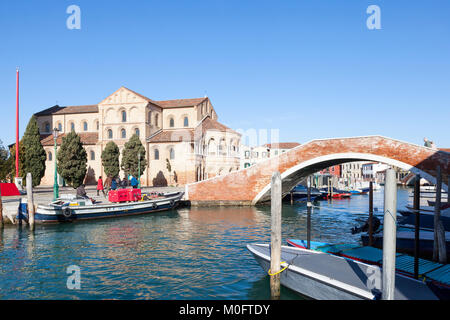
<point x="48" y="214"/>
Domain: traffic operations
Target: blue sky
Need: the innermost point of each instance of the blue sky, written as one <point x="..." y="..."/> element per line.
<point x="311" y="69"/>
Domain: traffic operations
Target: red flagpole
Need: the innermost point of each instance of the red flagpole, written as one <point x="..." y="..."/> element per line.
<point x="17" y="122"/>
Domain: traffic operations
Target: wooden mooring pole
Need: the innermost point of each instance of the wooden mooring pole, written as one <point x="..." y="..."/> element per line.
<point x="275" y="236"/>
<point x="439" y="247"/>
<point x="308" y="218"/>
<point x="30" y="201"/>
<point x="370" y="213"/>
<point x="389" y="235"/>
<point x="417" y="225"/>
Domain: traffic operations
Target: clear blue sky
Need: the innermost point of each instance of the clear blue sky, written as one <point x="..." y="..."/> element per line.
<point x="309" y="68"/>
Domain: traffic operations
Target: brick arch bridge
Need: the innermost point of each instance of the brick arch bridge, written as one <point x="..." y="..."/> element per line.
<point x="251" y="185"/>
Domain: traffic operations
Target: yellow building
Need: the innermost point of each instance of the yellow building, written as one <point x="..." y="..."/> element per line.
<point x="184" y="131"/>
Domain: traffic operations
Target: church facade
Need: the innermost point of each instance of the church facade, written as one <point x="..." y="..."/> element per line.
<point x="183" y="133"/>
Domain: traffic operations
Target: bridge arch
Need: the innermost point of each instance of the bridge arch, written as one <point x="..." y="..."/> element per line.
<point x="249" y="186"/>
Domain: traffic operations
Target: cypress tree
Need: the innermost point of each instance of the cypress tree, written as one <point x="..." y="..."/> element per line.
<point x="72" y="160"/>
<point x="130" y="156"/>
<point x="34" y="161"/>
<point x="12" y="161"/>
<point x="110" y="159"/>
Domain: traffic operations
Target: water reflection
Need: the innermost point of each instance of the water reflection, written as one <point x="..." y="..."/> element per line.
<point x="189" y="253"/>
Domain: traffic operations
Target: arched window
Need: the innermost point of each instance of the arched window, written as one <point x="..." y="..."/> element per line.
<point x="97" y="124"/>
<point x="49" y="158"/>
<point x="92" y="155"/>
<point x="156" y="154"/>
<point x="172" y="154"/>
<point x="47" y="127"/>
<point x="123" y="133"/>
<point x="110" y="134"/>
<point x="149" y="117"/>
<point x="124" y="116"/>
<point x="59" y="127"/>
<point x="171" y="123"/>
<point x="186" y="122"/>
<point x="72" y="126"/>
<point x="85" y="126"/>
<point x="136" y="131"/>
<point x="156" y="120"/>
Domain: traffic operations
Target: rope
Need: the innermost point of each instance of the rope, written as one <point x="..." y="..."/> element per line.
<point x="272" y="274"/>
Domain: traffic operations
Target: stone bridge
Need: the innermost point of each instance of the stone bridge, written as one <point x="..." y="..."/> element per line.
<point x="251" y="185"/>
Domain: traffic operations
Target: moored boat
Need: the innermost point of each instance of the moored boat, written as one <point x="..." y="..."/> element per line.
<point x="323" y="276"/>
<point x="73" y="208"/>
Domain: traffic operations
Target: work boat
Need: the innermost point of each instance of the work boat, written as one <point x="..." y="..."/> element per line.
<point x="72" y="208"/>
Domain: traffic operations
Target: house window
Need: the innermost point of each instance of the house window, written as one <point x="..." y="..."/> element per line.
<point x="98" y="125"/>
<point x="47" y="127"/>
<point x="110" y="134"/>
<point x="149" y="117"/>
<point x="49" y="156"/>
<point x="171" y="123"/>
<point x="123" y="133"/>
<point x="136" y="131"/>
<point x="92" y="155"/>
<point x="156" y="120"/>
<point x="72" y="126"/>
<point x="247" y="154"/>
<point x="85" y="126"/>
<point x="124" y="116"/>
<point x="186" y="122"/>
<point x="156" y="154"/>
<point x="172" y="154"/>
<point x="246" y="165"/>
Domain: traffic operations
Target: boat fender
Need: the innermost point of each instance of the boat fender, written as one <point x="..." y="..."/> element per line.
<point x="172" y="203"/>
<point x="67" y="213"/>
<point x="154" y="205"/>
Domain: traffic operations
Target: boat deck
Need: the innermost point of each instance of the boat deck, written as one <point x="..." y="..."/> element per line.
<point x="404" y="263"/>
<point x="337" y="277"/>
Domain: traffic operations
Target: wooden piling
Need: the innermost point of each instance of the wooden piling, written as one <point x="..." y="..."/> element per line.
<point x="389" y="235"/>
<point x="275" y="236"/>
<point x="292" y="198"/>
<point x="439" y="247"/>
<point x="308" y="218"/>
<point x="370" y="213"/>
<point x="30" y="201"/>
<point x="416" y="225"/>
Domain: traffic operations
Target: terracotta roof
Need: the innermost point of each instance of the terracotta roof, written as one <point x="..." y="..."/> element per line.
<point x="282" y="145"/>
<point x="87" y="138"/>
<point x="180" y="102"/>
<point x="172" y="136"/>
<point x="48" y="111"/>
<point x="92" y="108"/>
<point x="210" y="124"/>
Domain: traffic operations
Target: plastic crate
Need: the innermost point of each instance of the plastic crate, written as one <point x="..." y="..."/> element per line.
<point x="134" y="194"/>
<point x="120" y="195"/>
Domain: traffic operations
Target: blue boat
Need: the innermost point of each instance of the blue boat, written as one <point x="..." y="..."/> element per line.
<point x="300" y="193"/>
<point x="74" y="208"/>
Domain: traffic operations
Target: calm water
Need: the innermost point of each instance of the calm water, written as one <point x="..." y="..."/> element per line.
<point x="196" y="253"/>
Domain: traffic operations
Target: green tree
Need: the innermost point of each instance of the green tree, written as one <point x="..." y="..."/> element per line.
<point x="34" y="161"/>
<point x="110" y="159"/>
<point x="72" y="160"/>
<point x="4" y="164"/>
<point x="12" y="161"/>
<point x="130" y="154"/>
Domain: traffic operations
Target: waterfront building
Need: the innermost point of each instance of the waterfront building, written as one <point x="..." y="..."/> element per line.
<point x="352" y="171"/>
<point x="370" y="170"/>
<point x="253" y="155"/>
<point x="333" y="171"/>
<point x="184" y="132"/>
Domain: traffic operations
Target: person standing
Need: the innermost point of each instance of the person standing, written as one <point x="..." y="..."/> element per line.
<point x="100" y="186"/>
<point x="134" y="182"/>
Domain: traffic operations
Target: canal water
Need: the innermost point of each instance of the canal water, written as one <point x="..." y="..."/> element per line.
<point x="189" y="253"/>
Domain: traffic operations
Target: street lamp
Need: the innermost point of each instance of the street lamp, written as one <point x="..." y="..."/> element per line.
<point x="139" y="170"/>
<point x="55" y="184"/>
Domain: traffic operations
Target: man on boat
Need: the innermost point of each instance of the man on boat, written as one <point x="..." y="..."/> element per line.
<point x="81" y="192"/>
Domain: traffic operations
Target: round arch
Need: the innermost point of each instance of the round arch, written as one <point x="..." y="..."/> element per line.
<point x="293" y="175"/>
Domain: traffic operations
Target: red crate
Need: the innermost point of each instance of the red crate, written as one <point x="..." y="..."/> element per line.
<point x="120" y="195"/>
<point x="134" y="194"/>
